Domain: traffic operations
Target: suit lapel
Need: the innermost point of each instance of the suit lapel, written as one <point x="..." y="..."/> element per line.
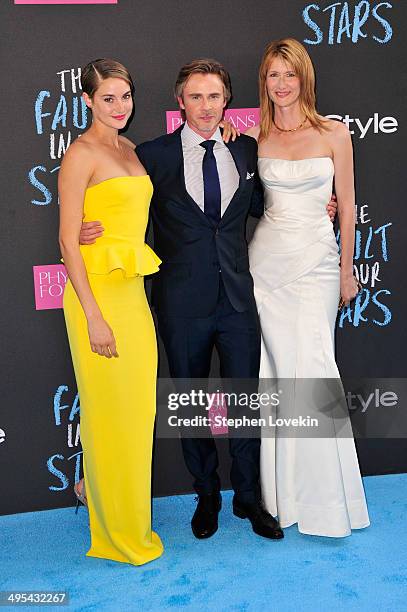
<point x="176" y="153"/>
<point x="237" y="151"/>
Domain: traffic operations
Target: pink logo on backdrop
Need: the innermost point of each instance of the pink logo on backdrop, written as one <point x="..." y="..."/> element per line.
<point x="49" y="285"/>
<point x="242" y="118"/>
<point x="218" y="414"/>
<point x="66" y="1"/>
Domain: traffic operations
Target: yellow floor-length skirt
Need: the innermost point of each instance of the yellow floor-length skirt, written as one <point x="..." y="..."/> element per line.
<point x="117" y="398"/>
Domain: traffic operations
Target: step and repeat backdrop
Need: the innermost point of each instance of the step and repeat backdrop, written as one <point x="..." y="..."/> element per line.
<point x="359" y="50"/>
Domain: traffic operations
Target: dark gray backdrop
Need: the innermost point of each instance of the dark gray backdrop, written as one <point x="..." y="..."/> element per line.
<point x="359" y="52"/>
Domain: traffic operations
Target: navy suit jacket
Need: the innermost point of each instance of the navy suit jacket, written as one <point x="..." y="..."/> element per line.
<point x="192" y="247"/>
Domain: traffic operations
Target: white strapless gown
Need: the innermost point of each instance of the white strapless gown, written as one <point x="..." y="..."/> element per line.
<point x="294" y="262"/>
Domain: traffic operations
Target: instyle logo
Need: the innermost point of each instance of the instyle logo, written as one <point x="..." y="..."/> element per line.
<point x="66" y="1"/>
<point x="372" y="125"/>
<point x="375" y="399"/>
<point x="49" y="285"/>
<point x="2" y="436"/>
<point x="241" y="118"/>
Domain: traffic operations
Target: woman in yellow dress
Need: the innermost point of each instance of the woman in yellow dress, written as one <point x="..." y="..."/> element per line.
<point x="110" y="328"/>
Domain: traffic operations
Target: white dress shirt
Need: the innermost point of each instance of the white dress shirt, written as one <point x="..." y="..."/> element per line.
<point x="193" y="157"/>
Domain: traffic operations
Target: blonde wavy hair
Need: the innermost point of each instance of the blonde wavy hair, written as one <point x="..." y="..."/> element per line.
<point x="295" y="54"/>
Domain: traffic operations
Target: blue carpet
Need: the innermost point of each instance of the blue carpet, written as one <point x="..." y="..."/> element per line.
<point x="235" y="570"/>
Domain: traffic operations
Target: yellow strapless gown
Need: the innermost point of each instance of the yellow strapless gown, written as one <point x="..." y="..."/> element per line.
<point x="117" y="396"/>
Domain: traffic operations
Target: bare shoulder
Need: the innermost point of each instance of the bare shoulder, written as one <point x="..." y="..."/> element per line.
<point x="126" y="141"/>
<point x="337" y="130"/>
<point x="80" y="151"/>
<point x="78" y="160"/>
<point x="253" y="132"/>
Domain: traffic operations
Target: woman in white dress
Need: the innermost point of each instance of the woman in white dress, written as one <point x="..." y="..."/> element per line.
<point x="298" y="282"/>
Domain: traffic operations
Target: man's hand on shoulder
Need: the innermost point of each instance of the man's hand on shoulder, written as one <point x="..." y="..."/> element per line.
<point x="229" y="131"/>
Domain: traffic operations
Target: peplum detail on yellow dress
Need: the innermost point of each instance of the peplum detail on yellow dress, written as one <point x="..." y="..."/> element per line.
<point x="117" y="396"/>
<point x="132" y="260"/>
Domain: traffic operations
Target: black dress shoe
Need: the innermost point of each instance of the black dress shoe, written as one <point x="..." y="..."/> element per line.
<point x="205" y="520"/>
<point x="262" y="522"/>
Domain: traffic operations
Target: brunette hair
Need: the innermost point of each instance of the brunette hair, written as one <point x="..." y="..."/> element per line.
<point x="101" y="69"/>
<point x="203" y="66"/>
<point x="295" y="54"/>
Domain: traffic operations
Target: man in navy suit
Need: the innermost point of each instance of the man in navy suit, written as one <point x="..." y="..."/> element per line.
<point x="203" y="295"/>
<point x="204" y="190"/>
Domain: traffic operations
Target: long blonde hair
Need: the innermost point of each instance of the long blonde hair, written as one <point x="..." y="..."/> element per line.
<point x="295" y="54"/>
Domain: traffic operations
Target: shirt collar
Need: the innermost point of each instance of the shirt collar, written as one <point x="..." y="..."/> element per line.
<point x="192" y="139"/>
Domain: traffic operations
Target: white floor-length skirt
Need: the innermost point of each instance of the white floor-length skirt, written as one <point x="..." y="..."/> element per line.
<point x="314" y="482"/>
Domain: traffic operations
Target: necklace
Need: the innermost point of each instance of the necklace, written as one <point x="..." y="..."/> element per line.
<point x="292" y="129"/>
